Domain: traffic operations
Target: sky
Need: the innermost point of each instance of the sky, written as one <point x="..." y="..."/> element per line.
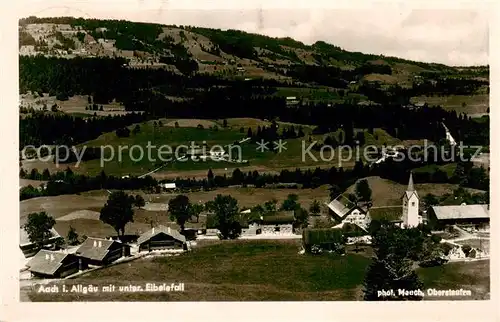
<point x="456" y="36"/>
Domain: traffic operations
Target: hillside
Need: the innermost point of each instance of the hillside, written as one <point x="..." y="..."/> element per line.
<point x="187" y="49"/>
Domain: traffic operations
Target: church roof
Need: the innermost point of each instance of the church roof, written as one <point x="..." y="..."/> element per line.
<point x="410" y="190"/>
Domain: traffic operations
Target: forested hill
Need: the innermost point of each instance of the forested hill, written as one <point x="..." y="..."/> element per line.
<point x="225" y="53"/>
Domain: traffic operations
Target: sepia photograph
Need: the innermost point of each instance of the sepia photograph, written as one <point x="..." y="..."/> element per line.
<point x="256" y="154"/>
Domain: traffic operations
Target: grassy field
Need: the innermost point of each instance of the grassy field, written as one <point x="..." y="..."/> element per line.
<point x="234" y="270"/>
<point x="473" y="276"/>
<point x="477" y="103"/>
<point x="260" y="271"/>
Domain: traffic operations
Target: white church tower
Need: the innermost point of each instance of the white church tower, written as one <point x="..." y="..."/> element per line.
<point x="410" y="206"/>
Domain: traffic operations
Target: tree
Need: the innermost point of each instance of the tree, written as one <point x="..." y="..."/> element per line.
<point x="38" y="227"/>
<point x="291" y="202"/>
<point x="334" y="191"/>
<point x="271" y="205"/>
<point x="139" y="201"/>
<point x="72" y="236"/>
<point x="225" y="209"/>
<point x="195" y="210"/>
<point x="176" y="124"/>
<point x="363" y="191"/>
<point x="392" y="268"/>
<point x="118" y="212"/>
<point x="179" y="209"/>
<point x="224" y="123"/>
<point x="315" y="208"/>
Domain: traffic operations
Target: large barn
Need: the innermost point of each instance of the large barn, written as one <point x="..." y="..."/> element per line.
<point x="161" y="237"/>
<point x="476" y="216"/>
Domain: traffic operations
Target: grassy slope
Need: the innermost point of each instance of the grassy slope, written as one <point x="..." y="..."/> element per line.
<point x="388" y="193"/>
<point x="236" y="270"/>
<point x="60" y="206"/>
<point x="473" y="276"/>
<point x="260" y="270"/>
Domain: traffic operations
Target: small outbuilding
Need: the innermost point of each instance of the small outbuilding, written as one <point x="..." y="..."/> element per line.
<point x="54" y="264"/>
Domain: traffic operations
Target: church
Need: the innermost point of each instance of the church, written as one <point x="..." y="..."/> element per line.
<point x="410" y="217"/>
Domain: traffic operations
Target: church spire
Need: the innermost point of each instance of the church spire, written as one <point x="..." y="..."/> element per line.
<point x="410" y="183"/>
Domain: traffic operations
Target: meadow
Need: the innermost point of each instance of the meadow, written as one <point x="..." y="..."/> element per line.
<point x="264" y="270"/>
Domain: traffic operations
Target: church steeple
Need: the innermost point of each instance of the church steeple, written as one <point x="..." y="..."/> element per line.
<point x="410" y="183"/>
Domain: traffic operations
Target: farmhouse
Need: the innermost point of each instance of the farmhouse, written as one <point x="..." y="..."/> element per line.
<point x="345" y="211"/>
<point x="29" y="249"/>
<point x="475" y="216"/>
<point x="98" y="251"/>
<point x="54" y="264"/>
<point x="161" y="237"/>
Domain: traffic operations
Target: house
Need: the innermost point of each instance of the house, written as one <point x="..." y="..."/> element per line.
<point x="343" y="210"/>
<point x="280" y="223"/>
<point x="168" y="186"/>
<point x="99" y="251"/>
<point x="88" y="39"/>
<point x="54" y="264"/>
<point x="161" y="237"/>
<point x="29" y="249"/>
<point x="291" y="100"/>
<point x="217" y="152"/>
<point x="474" y="216"/>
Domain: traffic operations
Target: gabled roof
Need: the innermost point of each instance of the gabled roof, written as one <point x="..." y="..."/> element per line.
<point x="278" y="218"/>
<point x="342" y="206"/>
<point x="95" y="248"/>
<point x="386" y="213"/>
<point x="161" y="230"/>
<point x="25" y="240"/>
<point x="46" y="262"/>
<point x="462" y="212"/>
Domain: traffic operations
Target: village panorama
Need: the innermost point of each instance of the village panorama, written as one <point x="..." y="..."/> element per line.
<point x="166" y="162"/>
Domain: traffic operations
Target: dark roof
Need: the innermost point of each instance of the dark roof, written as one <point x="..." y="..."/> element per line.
<point x="386" y="213"/>
<point x="46" y="262"/>
<point x="462" y="212"/>
<point x="277" y="218"/>
<point x="318" y="236"/>
<point x="25" y="240"/>
<point x="95" y="248"/>
<point x="341" y="206"/>
<point x="161" y="230"/>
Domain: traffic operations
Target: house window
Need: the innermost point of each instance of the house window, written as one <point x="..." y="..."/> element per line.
<point x="413" y="204"/>
<point x="277" y="228"/>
